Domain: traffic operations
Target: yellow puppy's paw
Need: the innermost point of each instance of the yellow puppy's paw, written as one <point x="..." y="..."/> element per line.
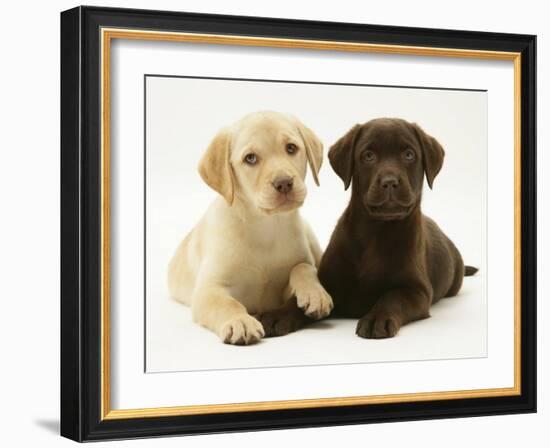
<point x="242" y="330"/>
<point x="314" y="300"/>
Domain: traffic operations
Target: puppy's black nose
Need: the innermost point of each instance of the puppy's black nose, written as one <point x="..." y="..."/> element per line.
<point x="283" y="184"/>
<point x="389" y="181"/>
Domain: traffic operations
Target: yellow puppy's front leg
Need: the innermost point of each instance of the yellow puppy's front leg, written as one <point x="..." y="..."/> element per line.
<point x="215" y="309"/>
<point x="311" y="297"/>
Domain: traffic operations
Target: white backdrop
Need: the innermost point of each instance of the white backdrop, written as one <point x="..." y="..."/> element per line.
<point x="184" y="114"/>
<point x="30" y="207"/>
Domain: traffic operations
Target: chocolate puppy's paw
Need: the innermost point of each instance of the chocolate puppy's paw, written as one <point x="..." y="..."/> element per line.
<point x="377" y="325"/>
<point x="280" y="322"/>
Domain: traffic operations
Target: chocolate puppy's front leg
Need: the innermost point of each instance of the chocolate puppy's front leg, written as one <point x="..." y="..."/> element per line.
<point x="287" y="319"/>
<point x="393" y="309"/>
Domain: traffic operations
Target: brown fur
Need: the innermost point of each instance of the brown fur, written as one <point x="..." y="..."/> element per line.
<point x="386" y="262"/>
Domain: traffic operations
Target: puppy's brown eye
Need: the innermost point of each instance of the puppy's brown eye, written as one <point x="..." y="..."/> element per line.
<point x="409" y="155"/>
<point x="251" y="159"/>
<point x="291" y="148"/>
<point x="369" y="156"/>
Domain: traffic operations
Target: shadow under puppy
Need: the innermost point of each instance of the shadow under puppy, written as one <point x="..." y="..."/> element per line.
<point x="251" y="253"/>
<point x="386" y="262"/>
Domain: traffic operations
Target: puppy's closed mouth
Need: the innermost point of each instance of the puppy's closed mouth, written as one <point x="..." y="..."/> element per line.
<point x="389" y="212"/>
<point x="286" y="204"/>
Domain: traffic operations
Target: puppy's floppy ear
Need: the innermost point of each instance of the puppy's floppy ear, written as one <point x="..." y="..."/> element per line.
<point x="341" y="153"/>
<point x="214" y="167"/>
<point x="432" y="154"/>
<point x="314" y="149"/>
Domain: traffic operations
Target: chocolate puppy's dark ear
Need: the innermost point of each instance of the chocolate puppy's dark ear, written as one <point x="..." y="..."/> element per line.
<point x="341" y="153"/>
<point x="432" y="154"/>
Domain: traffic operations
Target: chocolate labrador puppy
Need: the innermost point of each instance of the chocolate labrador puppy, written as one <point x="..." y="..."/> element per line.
<point x="386" y="262"/>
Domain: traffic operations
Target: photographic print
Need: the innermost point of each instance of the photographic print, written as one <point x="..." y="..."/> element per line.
<point x="249" y="181"/>
<point x="278" y="224"/>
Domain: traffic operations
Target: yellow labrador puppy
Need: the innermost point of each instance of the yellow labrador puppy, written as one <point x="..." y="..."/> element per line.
<point x="251" y="254"/>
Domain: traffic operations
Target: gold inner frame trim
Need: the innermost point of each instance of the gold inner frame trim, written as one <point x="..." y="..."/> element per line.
<point x="107" y="35"/>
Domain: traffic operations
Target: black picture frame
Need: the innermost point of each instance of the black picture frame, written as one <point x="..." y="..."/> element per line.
<point x="81" y="223"/>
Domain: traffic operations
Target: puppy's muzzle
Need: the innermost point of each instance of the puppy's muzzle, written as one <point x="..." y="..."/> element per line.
<point x="386" y="189"/>
<point x="283" y="184"/>
<point x="388" y="198"/>
<point x="283" y="193"/>
<point x="389" y="183"/>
